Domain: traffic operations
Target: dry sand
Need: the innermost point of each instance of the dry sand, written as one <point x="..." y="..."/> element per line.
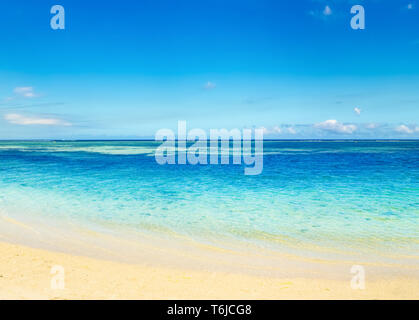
<point x="25" y="273"/>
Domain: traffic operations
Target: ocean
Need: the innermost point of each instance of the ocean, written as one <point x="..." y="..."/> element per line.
<point x="331" y="196"/>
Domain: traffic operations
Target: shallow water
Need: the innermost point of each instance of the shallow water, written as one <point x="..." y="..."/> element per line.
<point x="342" y="196"/>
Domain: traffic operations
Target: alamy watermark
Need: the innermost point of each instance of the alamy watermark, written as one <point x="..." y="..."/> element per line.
<point x="358" y="20"/>
<point x="358" y="278"/>
<point x="58" y="278"/>
<point x="57" y="22"/>
<point x="223" y="147"/>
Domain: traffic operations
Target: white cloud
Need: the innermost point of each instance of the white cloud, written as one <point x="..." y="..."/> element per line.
<point x="327" y="11"/>
<point x="323" y="14"/>
<point x="278" y="130"/>
<point x="18" y="119"/>
<point x="406" y="130"/>
<point x="209" y="85"/>
<point x="357" y="111"/>
<point x="264" y="130"/>
<point x="26" y="92"/>
<point x="274" y="130"/>
<point x="371" y="125"/>
<point x="336" y="127"/>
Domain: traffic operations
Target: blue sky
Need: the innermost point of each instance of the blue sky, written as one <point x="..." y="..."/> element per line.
<point x="129" y="68"/>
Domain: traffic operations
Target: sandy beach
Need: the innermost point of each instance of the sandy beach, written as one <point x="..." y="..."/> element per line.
<point x="25" y="273"/>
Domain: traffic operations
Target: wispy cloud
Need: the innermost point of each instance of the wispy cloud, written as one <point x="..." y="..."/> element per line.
<point x="332" y="128"/>
<point x="270" y="131"/>
<point x="27" y="92"/>
<point x="406" y="129"/>
<point x="22" y="120"/>
<point x="336" y="127"/>
<point x="279" y="130"/>
<point x="323" y="13"/>
<point x="276" y="129"/>
<point x="209" y="85"/>
<point x="371" y="126"/>
<point x="327" y="11"/>
<point x="10" y="106"/>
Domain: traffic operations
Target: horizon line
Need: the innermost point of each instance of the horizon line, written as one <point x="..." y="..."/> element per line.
<point x="303" y="139"/>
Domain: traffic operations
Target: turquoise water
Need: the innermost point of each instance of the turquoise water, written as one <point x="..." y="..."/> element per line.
<point x="352" y="196"/>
